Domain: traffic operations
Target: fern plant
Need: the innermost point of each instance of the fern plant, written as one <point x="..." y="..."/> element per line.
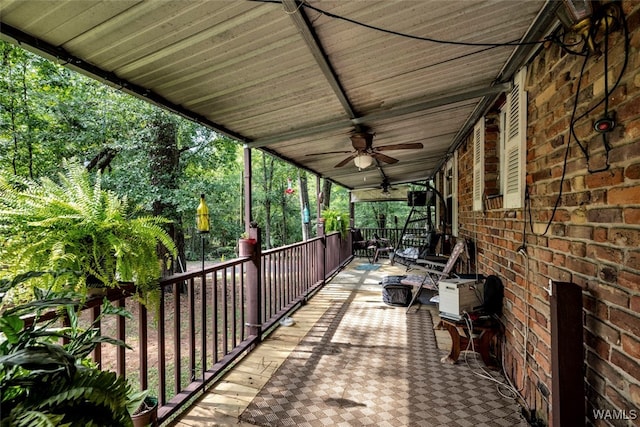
<point x="44" y="383"/>
<point x="335" y="220"/>
<point x="74" y="224"/>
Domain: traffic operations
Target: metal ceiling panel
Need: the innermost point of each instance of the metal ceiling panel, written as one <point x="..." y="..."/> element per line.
<point x="296" y="78"/>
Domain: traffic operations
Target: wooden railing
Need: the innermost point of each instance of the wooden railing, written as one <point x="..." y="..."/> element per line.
<point x="393" y="235"/>
<point x="206" y="319"/>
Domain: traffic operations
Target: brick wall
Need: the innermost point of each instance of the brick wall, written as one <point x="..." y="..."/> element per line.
<point x="594" y="238"/>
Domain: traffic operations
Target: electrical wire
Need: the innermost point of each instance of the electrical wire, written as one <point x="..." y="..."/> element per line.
<point x="409" y="36"/>
<point x="576" y="118"/>
<point x="514" y="393"/>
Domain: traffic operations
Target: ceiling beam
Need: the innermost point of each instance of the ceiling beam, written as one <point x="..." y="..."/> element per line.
<point x="295" y="11"/>
<point x="383" y="115"/>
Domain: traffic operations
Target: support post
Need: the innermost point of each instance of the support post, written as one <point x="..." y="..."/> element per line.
<point x="247" y="190"/>
<point x="567" y="355"/>
<point x="322" y="252"/>
<point x="254" y="300"/>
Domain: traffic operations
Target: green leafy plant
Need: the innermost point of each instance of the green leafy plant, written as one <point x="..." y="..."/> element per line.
<point x="73" y="224"/>
<point x="45" y="383"/>
<point x="335" y="220"/>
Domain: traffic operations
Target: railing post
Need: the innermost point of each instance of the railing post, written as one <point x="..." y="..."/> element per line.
<point x="254" y="303"/>
<point x="322" y="258"/>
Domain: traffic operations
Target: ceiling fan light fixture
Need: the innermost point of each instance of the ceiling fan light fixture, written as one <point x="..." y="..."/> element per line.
<point x="363" y="161"/>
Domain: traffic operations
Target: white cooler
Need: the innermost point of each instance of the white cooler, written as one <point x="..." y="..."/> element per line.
<point x="458" y="296"/>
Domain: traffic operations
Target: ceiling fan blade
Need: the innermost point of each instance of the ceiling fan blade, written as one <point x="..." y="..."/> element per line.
<point x="328" y="152"/>
<point x="408" y="146"/>
<point x="345" y="161"/>
<point x="384" y="158"/>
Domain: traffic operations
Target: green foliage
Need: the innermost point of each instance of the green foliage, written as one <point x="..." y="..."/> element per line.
<point x="76" y="225"/>
<point x="44" y="383"/>
<point x="335" y="220"/>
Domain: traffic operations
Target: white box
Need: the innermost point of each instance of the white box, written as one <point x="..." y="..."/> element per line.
<point x="458" y="296"/>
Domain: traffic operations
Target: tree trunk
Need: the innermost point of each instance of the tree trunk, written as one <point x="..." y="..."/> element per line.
<point x="304" y="205"/>
<point x="164" y="157"/>
<point x="326" y="194"/>
<point x="267" y="174"/>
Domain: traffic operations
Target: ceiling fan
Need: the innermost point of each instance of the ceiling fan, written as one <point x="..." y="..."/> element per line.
<point x="364" y="152"/>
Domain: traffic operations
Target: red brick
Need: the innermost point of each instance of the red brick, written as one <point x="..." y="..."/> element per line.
<point x="603" y="330"/>
<point x="600" y="234"/>
<point x="629" y="280"/>
<point x="627" y="364"/>
<point x="633" y="171"/>
<point x="624" y="195"/>
<point x="610" y="294"/>
<point x="631" y="346"/>
<point x="633" y="260"/>
<point x="625" y="321"/>
<point x="634" y="304"/>
<point x="605" y="253"/>
<point x="631" y="216"/>
<point x="628" y="237"/>
<point x="607" y="215"/>
<point x="599" y="346"/>
<point x="604" y="179"/>
<point x="582" y="266"/>
<point x="580" y="232"/>
<point x="559" y="245"/>
<point x="634" y="393"/>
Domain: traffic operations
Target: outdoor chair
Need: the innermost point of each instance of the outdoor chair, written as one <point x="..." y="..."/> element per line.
<point x="434" y="271"/>
<point x="381" y="246"/>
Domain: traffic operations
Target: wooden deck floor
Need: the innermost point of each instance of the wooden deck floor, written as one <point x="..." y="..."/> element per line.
<point x="222" y="404"/>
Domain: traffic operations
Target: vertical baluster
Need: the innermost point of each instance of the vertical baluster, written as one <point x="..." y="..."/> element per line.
<point x="143" y="334"/>
<point x="241" y="304"/>
<point x="225" y="313"/>
<point x="176" y="338"/>
<point x="203" y="324"/>
<point x="162" y="363"/>
<point x="121" y="359"/>
<point x="214" y="307"/>
<point x="97" y="352"/>
<point x="234" y="310"/>
<point x="192" y="327"/>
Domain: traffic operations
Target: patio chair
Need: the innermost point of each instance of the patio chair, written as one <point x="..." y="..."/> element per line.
<point x="434" y="271"/>
<point x="382" y="245"/>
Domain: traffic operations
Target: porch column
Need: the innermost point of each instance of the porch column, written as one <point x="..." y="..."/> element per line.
<point x="254" y="300"/>
<point x="247" y="189"/>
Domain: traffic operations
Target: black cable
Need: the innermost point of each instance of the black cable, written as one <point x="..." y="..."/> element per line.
<point x="575" y="119"/>
<point x="410" y="36"/>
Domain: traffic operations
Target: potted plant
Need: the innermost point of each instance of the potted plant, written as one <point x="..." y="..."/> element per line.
<point x="145" y="412"/>
<point x="45" y="383"/>
<point x="246" y="245"/>
<point x="74" y="224"/>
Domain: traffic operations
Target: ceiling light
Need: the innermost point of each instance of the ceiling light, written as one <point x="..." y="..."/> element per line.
<point x="363" y="161"/>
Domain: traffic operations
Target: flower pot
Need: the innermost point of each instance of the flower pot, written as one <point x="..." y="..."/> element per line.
<point x="246" y="247"/>
<point x="148" y="413"/>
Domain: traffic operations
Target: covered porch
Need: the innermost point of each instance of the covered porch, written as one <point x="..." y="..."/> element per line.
<point x="349" y="359"/>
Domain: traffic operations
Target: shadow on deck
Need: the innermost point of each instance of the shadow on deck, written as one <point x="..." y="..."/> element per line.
<point x="352" y="360"/>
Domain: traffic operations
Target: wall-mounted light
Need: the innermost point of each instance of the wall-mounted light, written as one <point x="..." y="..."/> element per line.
<point x="363" y="161"/>
<point x="589" y="18"/>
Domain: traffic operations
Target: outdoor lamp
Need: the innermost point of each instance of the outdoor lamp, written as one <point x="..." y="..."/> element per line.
<point x="588" y="18"/>
<point x="363" y="161"/>
<point x="202" y="216"/>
